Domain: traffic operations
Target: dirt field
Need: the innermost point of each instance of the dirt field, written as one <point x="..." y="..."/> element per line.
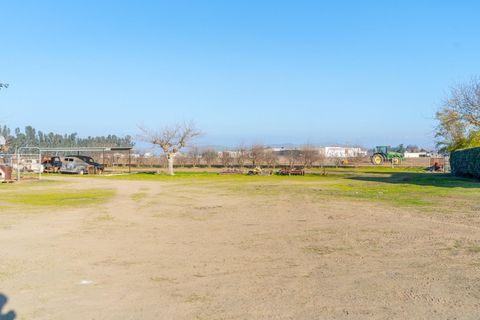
<point x="362" y="246"/>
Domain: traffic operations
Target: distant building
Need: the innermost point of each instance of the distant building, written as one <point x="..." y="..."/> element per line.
<point x="342" y="152"/>
<point x="416" y="154"/>
<point x="284" y="151"/>
<point x="233" y="154"/>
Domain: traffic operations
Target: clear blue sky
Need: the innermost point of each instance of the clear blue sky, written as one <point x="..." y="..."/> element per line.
<point x="359" y="72"/>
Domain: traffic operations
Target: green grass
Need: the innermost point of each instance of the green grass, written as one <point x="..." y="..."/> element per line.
<point x="30" y="184"/>
<point x="399" y="194"/>
<point x="368" y="169"/>
<point x="209" y="175"/>
<point x="58" y="197"/>
<point x="397" y="187"/>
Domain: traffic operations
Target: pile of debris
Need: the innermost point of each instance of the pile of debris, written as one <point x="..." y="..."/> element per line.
<point x="291" y="172"/>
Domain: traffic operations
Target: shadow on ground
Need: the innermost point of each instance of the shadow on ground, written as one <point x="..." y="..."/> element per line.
<point x="5" y="316"/>
<point x="420" y="179"/>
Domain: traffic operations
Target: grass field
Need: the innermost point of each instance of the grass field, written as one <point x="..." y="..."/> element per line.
<point x="352" y="244"/>
<point x="402" y="187"/>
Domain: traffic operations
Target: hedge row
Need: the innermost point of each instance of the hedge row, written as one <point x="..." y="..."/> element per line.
<point x="466" y="163"/>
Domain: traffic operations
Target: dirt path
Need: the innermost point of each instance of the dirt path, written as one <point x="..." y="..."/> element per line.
<point x="163" y="250"/>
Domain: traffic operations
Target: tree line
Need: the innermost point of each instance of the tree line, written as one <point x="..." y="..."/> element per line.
<point x="256" y="155"/>
<point x="30" y="137"/>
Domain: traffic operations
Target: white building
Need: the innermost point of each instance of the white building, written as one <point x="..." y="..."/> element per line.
<point x="233" y="154"/>
<point x="342" y="152"/>
<point x="416" y="154"/>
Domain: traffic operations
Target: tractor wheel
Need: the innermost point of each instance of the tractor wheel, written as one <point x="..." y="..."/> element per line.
<point x="377" y="159"/>
<point x="396" y="161"/>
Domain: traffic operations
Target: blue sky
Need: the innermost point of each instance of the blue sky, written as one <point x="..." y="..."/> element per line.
<point x="347" y="72"/>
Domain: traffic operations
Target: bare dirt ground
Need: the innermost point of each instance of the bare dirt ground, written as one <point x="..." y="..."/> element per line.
<point x="167" y="250"/>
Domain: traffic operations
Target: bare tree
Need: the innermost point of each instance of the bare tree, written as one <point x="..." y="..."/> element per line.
<point x="140" y="156"/>
<point x="293" y="157"/>
<point x="140" y="160"/>
<point x="210" y="156"/>
<point x="459" y="117"/>
<point x="171" y="140"/>
<point x="3" y="85"/>
<point x="241" y="156"/>
<point x="182" y="160"/>
<point x="226" y="158"/>
<point x="321" y="161"/>
<point x="309" y="155"/>
<point x="271" y="158"/>
<point x="337" y="160"/>
<point x="412" y="148"/>
<point x="257" y="154"/>
<point x="465" y="100"/>
<point x="151" y="159"/>
<point x="194" y="155"/>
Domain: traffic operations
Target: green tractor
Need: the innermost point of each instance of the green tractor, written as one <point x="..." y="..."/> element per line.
<point x="382" y="155"/>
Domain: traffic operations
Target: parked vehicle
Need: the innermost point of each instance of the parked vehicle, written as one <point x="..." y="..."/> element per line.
<point x="383" y="154"/>
<point x="28" y="165"/>
<point x="74" y="165"/>
<point x="52" y="164"/>
<point x="98" y="166"/>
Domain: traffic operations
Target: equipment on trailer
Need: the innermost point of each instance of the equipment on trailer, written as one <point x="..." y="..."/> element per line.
<point x="291" y="172"/>
<point x="257" y="171"/>
<point x="382" y="154"/>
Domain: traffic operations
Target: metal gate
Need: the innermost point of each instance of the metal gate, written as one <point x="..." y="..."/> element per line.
<point x="27" y="163"/>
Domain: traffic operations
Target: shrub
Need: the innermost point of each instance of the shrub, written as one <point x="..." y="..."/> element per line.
<point x="466" y="163"/>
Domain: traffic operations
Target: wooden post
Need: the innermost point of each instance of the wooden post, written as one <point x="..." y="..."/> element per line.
<point x="129" y="161"/>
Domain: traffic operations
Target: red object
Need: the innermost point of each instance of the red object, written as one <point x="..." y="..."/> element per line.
<point x="5" y="172"/>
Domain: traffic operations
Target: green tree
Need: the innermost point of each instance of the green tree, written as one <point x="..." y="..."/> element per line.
<point x="36" y="138"/>
<point x="459" y="118"/>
